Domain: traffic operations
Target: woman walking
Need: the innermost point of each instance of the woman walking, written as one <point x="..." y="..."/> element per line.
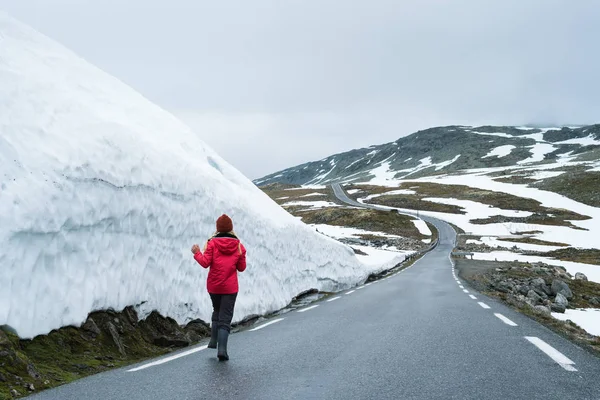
<point x="224" y="255"/>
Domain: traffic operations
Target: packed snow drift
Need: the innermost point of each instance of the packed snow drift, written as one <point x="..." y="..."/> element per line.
<point x="103" y="193"/>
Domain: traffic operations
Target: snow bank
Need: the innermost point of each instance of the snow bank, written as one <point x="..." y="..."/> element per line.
<point x="339" y="232"/>
<point x="587" y="318"/>
<point x="422" y="227"/>
<point x="102" y="194"/>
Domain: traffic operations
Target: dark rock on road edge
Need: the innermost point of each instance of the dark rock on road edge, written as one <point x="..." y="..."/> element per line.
<point x="106" y="340"/>
<point x="535" y="290"/>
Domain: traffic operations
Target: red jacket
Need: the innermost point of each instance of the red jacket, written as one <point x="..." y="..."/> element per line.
<point x="225" y="256"/>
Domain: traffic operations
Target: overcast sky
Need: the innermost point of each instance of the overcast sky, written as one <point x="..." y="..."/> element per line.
<point x="273" y="83"/>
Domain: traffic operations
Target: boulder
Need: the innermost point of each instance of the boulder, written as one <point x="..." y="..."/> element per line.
<point x="580" y="277"/>
<point x="561" y="300"/>
<point x="30" y="387"/>
<point x="91" y="327"/>
<point x="32" y="372"/>
<point x="595" y="301"/>
<point x="543" y="309"/>
<point x="14" y="393"/>
<point x="540" y="287"/>
<point x="559" y="286"/>
<point x="504" y="287"/>
<point x="115" y="338"/>
<point x="557" y="308"/>
<point x="524" y="289"/>
<point x="533" y="298"/>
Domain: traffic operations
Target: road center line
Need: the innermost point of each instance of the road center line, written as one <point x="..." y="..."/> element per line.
<point x="482" y="304"/>
<point x="265" y="325"/>
<point x="308" y="308"/>
<point x="505" y="320"/>
<point x="167" y="359"/>
<point x="352" y="291"/>
<point x="335" y="298"/>
<point x="551" y="352"/>
<point x="473" y="297"/>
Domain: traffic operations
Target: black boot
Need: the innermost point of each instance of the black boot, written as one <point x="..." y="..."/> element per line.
<point x="222" y="351"/>
<point x="213" y="336"/>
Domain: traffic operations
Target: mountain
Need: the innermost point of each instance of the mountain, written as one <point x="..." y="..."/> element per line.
<point x="444" y="150"/>
<point x="103" y="193"/>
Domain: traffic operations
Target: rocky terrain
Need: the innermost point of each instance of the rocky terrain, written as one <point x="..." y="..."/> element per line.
<point x="537" y="290"/>
<point x="106" y="340"/>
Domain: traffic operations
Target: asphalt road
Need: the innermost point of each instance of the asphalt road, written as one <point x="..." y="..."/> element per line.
<point x="415" y="335"/>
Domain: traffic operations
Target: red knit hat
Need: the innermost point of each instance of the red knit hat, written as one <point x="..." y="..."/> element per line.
<point x="224" y="224"/>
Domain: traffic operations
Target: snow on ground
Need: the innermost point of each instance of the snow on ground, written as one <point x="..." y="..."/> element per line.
<point x="586" y="141"/>
<point x="339" y="232"/>
<point x="500" y="151"/>
<point x="476" y="210"/>
<point x="444" y="164"/>
<point x="587" y="318"/>
<point x="382" y="175"/>
<point x="103" y="194"/>
<point x="312" y="205"/>
<point x="538" y="151"/>
<point x="314" y="194"/>
<point x="422" y="227"/>
<point x="578" y="238"/>
<point x="283" y="198"/>
<point x="591" y="271"/>
<point x="376" y="257"/>
<point x="353" y="191"/>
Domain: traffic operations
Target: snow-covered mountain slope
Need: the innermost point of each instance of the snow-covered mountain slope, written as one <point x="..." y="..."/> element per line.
<point x="103" y="193"/>
<point x="447" y="150"/>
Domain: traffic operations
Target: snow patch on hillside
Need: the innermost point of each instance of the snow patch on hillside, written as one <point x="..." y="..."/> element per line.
<point x="538" y="152"/>
<point x="500" y="151"/>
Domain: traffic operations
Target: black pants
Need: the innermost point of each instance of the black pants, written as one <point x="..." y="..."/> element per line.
<point x="223" y="305"/>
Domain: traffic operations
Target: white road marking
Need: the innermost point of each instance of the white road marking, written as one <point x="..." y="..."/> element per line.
<point x="461" y="286"/>
<point x="551" y="352"/>
<point x="482" y="304"/>
<point x="350" y="292"/>
<point x="335" y="298"/>
<point x="167" y="359"/>
<point x="265" y="325"/>
<point x="465" y="290"/>
<point x="473" y="297"/>
<point x="368" y="284"/>
<point x="308" y="308"/>
<point x="505" y="320"/>
<point x="360" y="287"/>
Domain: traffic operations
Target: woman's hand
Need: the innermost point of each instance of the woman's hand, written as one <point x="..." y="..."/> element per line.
<point x="195" y="249"/>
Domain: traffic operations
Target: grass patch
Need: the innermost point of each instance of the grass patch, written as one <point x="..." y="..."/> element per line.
<point x="586" y="256"/>
<point x="528" y="240"/>
<point x="366" y="219"/>
<point x="537" y="219"/>
<point x="579" y="185"/>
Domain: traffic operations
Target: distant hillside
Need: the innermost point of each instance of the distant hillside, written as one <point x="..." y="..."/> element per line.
<point x="449" y="149"/>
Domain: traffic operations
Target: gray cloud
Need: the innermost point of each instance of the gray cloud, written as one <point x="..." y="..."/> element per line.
<point x="270" y="84"/>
